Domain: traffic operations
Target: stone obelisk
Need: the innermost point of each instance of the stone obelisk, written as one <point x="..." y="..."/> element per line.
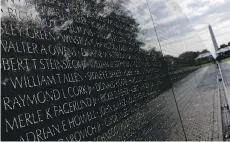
<point x="213" y="38"/>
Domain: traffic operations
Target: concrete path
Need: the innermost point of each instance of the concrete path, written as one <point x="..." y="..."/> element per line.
<point x="198" y="104"/>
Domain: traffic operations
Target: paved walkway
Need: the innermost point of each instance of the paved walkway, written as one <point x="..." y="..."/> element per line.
<point x="198" y="101"/>
<point x="198" y="105"/>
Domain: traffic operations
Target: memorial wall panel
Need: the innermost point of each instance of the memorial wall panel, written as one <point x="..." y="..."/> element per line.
<point x="91" y="70"/>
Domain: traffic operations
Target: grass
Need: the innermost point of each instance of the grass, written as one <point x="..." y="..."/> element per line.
<point x="196" y="67"/>
<point x="203" y="65"/>
<point x="227" y="59"/>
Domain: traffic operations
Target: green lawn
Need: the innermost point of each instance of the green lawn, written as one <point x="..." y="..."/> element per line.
<point x="203" y="65"/>
<point x="227" y="59"/>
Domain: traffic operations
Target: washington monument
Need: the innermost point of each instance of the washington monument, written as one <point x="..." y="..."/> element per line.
<point x="213" y="38"/>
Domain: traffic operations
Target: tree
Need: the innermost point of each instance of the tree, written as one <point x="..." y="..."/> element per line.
<point x="204" y="51"/>
<point x="188" y="58"/>
<point x="229" y="44"/>
<point x="223" y="46"/>
<point x="170" y="59"/>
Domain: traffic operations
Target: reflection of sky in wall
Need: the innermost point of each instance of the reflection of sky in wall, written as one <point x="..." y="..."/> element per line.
<point x="13" y="7"/>
<point x="213" y="12"/>
<point x="139" y="11"/>
<point x="173" y="25"/>
<point x="174" y="30"/>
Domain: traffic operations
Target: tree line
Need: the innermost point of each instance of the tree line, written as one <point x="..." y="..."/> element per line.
<point x="224" y="45"/>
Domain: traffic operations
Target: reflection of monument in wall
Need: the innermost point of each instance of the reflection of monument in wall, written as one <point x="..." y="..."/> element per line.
<point x="213" y="38"/>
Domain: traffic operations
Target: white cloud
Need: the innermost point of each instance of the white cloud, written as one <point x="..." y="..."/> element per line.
<point x="195" y="8"/>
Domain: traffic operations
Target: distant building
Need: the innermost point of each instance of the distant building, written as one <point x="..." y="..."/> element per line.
<point x="204" y="58"/>
<point x="223" y="50"/>
<point x="223" y="53"/>
<point x="204" y="55"/>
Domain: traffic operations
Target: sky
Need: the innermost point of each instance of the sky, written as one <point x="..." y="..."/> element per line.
<point x="201" y="13"/>
<point x="182" y="25"/>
